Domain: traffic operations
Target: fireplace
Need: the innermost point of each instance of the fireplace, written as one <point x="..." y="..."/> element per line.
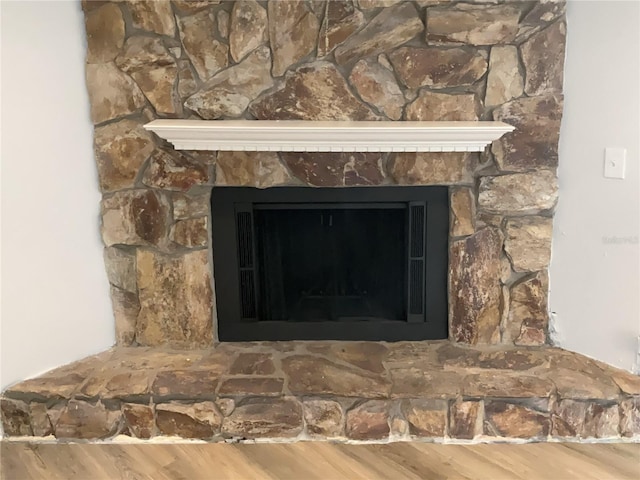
<point x="332" y="264"/>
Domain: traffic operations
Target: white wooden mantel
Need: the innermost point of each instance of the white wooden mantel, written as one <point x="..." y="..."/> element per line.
<point x="328" y="136"/>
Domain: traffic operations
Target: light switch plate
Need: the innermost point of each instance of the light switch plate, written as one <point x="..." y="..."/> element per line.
<point x="614" y="162"/>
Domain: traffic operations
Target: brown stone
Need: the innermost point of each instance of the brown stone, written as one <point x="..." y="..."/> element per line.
<point x="251" y="169"/>
<point x="472" y="24"/>
<point x="265" y="417"/>
<point x="365" y="355"/>
<point x="442" y="107"/>
<point x="341" y="20"/>
<point x="120" y="149"/>
<point x="262" y="386"/>
<point x="112" y="93"/>
<point x="192" y="6"/>
<point x="389" y="29"/>
<point x="40" y="421"/>
<point x="463" y="212"/>
<point x="152" y="67"/>
<point x="228" y="93"/>
<point x="149" y="359"/>
<point x="293" y="31"/>
<point x="134" y="217"/>
<point x="438" y="68"/>
<point x="630" y="417"/>
<point x="323" y="418"/>
<point x="16" y="418"/>
<point x="368" y="421"/>
<point x="504" y="81"/>
<point x="336" y="169"/>
<point x="518" y="193"/>
<point x="175" y="299"/>
<point x="433" y="168"/>
<point x="427" y="418"/>
<point x="543" y="60"/>
<point x="105" y="33"/>
<point x="568" y="418"/>
<point x="171" y="170"/>
<point x="474" y="287"/>
<point x="459" y="357"/>
<point x="207" y="54"/>
<point x="578" y="384"/>
<point x="199" y="420"/>
<point x="418" y="382"/>
<point x="126" y="384"/>
<point x="601" y="421"/>
<point x="628" y="382"/>
<point x="226" y="406"/>
<point x="155" y="16"/>
<point x="464" y="419"/>
<point x="191" y="232"/>
<point x="84" y="420"/>
<point x="315" y="375"/>
<point x="139" y="420"/>
<point x="253" y="364"/>
<point x="488" y="384"/>
<point x="528" y="317"/>
<point x="187" y="84"/>
<point x="182" y="383"/>
<point x="121" y="268"/>
<point x="248" y="28"/>
<point x="49" y="385"/>
<point x="314" y="91"/>
<point x="126" y="308"/>
<point x="528" y="243"/>
<point x="534" y="142"/>
<point x="188" y="206"/>
<point x="369" y="4"/>
<point x="377" y="86"/>
<point x="514" y="421"/>
<point x="539" y="17"/>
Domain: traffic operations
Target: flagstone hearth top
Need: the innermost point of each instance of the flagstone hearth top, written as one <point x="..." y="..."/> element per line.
<point x="328" y="390"/>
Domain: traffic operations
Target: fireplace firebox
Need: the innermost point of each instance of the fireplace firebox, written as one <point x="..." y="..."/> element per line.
<point x="296" y="263"/>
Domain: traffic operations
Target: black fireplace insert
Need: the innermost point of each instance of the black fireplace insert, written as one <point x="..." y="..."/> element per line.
<point x="300" y="263"/>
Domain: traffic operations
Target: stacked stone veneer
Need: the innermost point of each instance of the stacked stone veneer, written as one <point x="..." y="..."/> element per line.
<point x="325" y="60"/>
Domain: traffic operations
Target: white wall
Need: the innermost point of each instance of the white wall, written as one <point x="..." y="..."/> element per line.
<point x="55" y="306"/>
<point x="594" y="285"/>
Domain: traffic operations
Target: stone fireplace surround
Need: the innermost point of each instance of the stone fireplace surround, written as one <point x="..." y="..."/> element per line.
<point x="427" y="60"/>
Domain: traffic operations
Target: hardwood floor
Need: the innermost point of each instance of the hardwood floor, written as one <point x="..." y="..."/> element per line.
<point x="308" y="460"/>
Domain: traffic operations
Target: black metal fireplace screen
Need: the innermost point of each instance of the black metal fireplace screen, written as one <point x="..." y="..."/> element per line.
<point x="298" y="263"/>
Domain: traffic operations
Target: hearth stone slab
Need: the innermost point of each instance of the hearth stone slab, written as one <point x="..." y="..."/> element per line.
<point x="344" y="391"/>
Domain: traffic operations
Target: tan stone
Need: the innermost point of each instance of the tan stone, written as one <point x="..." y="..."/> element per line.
<point x="365" y="355"/>
<point x="192" y="6"/>
<point x="341" y="20"/>
<point x="188" y="206"/>
<point x="228" y="94"/>
<point x="125" y="311"/>
<point x="534" y="142"/>
<point x="175" y="299"/>
<point x="515" y="421"/>
<point x="226" y="406"/>
<point x="105" y="33"/>
<point x="185" y="383"/>
<point x="16" y="418"/>
<point x="112" y="93"/>
<point x="134" y="217"/>
<point x="458" y="357"/>
<point x="293" y="31"/>
<point x="601" y="421"/>
<point x="171" y="170"/>
<point x="248" y="28"/>
<point x="253" y="364"/>
<point x="265" y="417"/>
<point x="568" y="418"/>
<point x="426" y="417"/>
<point x="580" y="385"/>
<point x="474" y="287"/>
<point x="528" y="315"/>
<point x="504" y="81"/>
<point x="438" y="68"/>
<point x="518" y="193"/>
<point x="528" y="243"/>
<point x="369" y="4"/>
<point x="464" y="419"/>
<point x="432" y="168"/>
<point x="223" y="20"/>
<point x="472" y="24"/>
<point x="630" y="417"/>
<point x="425" y="382"/>
<point x="187" y="84"/>
<point x="139" y="420"/>
<point x="126" y="384"/>
<point x="543" y="60"/>
<point x="251" y="169"/>
<point x="442" y="107"/>
<point x="488" y="384"/>
<point x="323" y="418"/>
<point x="336" y="169"/>
<point x="463" y="212"/>
<point x="191" y="232"/>
<point x="199" y="420"/>
<point x="40" y="422"/>
<point x="207" y="54"/>
<point x="368" y="421"/>
<point x="377" y="86"/>
<point x="539" y="17"/>
<point x="263" y="386"/>
<point x="84" y="420"/>
<point x="314" y="91"/>
<point x="389" y="29"/>
<point x="121" y="148"/>
<point x="155" y="16"/>
<point x="121" y="268"/>
<point x="628" y="382"/>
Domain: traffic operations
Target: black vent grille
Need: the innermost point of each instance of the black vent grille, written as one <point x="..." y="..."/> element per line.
<point x="416" y="293"/>
<point x="248" y="294"/>
<point x="417" y="231"/>
<point x="245" y="239"/>
<point x="417" y="248"/>
<point x="248" y="287"/>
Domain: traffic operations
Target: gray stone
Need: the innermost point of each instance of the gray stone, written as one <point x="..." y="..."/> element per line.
<point x="112" y="93"/>
<point x="377" y="86"/>
<point x="528" y="243"/>
<point x="207" y="54"/>
<point x="443" y="107"/>
<point x="543" y="59"/>
<point x="187" y="84"/>
<point x="504" y="81"/>
<point x="105" y="33"/>
<point x="188" y="206"/>
<point x="248" y="28"/>
<point x="518" y="193"/>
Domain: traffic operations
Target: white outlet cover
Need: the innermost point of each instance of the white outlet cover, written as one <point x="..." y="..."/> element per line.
<point x="614" y="162"/>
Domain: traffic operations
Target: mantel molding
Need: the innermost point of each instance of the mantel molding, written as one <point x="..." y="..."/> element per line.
<point x="328" y="136"/>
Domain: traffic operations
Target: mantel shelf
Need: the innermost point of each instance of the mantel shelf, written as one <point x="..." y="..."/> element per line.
<point x="328" y="136"/>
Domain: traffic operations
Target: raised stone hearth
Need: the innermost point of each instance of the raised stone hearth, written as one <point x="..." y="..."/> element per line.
<point x="364" y="391"/>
